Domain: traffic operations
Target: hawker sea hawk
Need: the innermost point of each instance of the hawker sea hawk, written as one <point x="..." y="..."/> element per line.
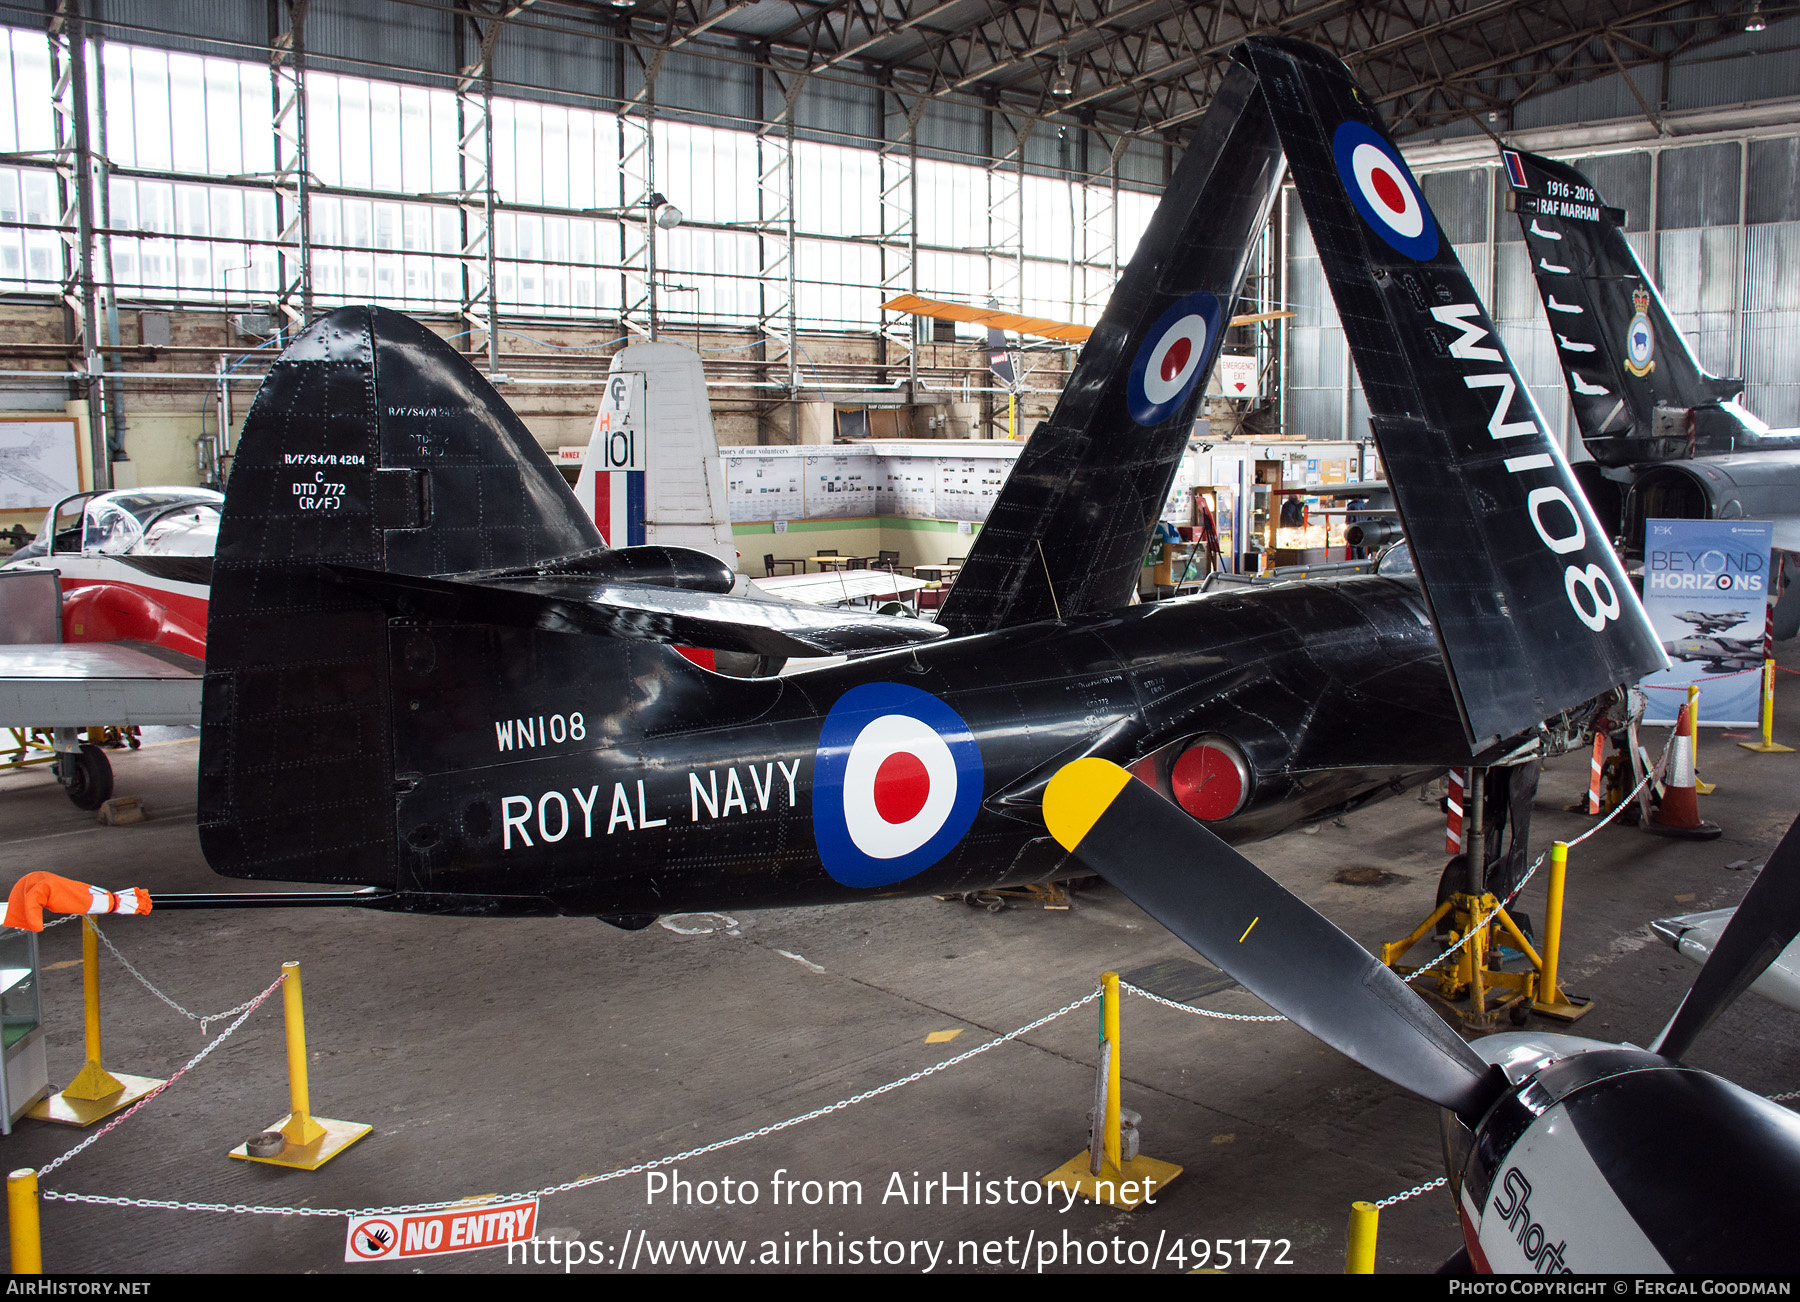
<point x="480" y="708"/>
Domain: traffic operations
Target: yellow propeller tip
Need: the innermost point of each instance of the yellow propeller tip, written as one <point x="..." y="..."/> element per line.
<point x="1077" y="796"/>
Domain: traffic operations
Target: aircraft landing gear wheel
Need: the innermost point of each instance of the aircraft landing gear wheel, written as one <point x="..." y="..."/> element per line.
<point x="1520" y="1013"/>
<point x="87" y="777"/>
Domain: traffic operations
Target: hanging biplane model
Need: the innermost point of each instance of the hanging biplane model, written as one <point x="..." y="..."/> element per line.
<point x="1668" y="439"/>
<point x="479" y="707"/>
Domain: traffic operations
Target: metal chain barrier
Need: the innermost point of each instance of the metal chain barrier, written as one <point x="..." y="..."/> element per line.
<point x="1201" y="1012"/>
<point x="191" y="1063"/>
<point x="167" y="1204"/>
<point x="244" y="1010"/>
<point x="1711" y="678"/>
<point x="1413" y="1192"/>
<point x="146" y="983"/>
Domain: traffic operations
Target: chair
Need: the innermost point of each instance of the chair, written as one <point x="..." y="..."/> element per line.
<point x="890" y="561"/>
<point x="930" y="598"/>
<point x="769" y="564"/>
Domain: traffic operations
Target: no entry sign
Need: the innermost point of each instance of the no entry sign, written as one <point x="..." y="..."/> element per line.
<point x="435" y="1233"/>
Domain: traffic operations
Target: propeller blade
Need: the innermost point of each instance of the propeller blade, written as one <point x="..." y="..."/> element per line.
<point x="1764" y="924"/>
<point x="1247" y="924"/>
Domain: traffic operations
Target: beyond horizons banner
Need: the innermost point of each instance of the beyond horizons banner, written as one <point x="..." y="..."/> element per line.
<point x="1706" y="588"/>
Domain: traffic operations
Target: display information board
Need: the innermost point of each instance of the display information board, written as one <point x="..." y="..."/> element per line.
<point x="764" y="487"/>
<point x="1706" y="588"/>
<point x="839" y="487"/>
<point x="923" y="479"/>
<point x="39" y="465"/>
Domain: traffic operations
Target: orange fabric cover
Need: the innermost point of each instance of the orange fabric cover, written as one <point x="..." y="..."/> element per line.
<point x="36" y="892"/>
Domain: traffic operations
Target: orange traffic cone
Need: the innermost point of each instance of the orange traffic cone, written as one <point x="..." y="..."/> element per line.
<point x="1679" y="813"/>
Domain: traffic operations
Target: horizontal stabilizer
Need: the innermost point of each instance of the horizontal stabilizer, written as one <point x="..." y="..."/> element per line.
<point x="1530" y="605"/>
<point x="653" y="563"/>
<point x="568" y="604"/>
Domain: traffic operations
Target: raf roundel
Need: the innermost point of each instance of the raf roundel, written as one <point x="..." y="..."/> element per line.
<point x="1382" y="187"/>
<point x="1171" y="359"/>
<point x="896" y="783"/>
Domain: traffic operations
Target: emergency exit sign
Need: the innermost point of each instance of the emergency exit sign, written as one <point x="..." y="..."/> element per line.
<point x="1237" y="376"/>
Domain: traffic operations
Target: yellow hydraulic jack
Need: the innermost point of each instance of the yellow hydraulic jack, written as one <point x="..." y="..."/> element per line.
<point x="1472" y="987"/>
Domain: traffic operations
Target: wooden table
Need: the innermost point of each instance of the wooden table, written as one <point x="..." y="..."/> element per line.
<point x="840" y="562"/>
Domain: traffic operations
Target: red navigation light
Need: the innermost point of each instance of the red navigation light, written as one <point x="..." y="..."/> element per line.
<point x="1211" y="779"/>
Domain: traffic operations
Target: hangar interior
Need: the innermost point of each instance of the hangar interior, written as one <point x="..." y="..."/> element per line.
<point x="185" y="184"/>
<point x="488" y="168"/>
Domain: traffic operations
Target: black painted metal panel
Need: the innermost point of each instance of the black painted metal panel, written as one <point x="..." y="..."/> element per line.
<point x="1071" y="527"/>
<point x="1532" y="608"/>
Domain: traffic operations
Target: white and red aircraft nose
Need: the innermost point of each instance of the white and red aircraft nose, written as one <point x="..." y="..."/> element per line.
<point x="896" y="784"/>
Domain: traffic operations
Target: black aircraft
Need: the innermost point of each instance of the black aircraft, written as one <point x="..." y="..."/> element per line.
<point x="1668" y="440"/>
<point x="427" y="675"/>
<point x="1706" y="623"/>
<point x="1718" y="655"/>
<point x="1565" y="1155"/>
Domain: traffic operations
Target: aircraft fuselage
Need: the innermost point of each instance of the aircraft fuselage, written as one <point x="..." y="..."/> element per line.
<point x="543" y="773"/>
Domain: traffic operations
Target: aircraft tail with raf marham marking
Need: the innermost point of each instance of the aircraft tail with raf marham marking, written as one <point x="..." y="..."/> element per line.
<point x="1637" y="390"/>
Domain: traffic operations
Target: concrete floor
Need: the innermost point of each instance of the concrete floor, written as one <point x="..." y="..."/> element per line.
<point x="497" y="1056"/>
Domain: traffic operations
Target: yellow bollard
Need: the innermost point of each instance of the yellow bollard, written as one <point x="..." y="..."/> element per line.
<point x="1550" y="999"/>
<point x="1768" y="745"/>
<point x="1559" y="874"/>
<point x="310" y="1141"/>
<point x="93" y="1082"/>
<point x="1359" y="1240"/>
<point x="1109" y="1012"/>
<point x="300" y="1127"/>
<point x="95" y="1092"/>
<point x="22" y="1222"/>
<point x="1701" y="786"/>
<point x="1122" y="1182"/>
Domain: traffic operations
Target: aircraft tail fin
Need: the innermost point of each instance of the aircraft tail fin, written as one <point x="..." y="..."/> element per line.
<point x="1531" y="608"/>
<point x="652" y="473"/>
<point x="1633" y="379"/>
<point x="1069" y="531"/>
<point x="372" y="443"/>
